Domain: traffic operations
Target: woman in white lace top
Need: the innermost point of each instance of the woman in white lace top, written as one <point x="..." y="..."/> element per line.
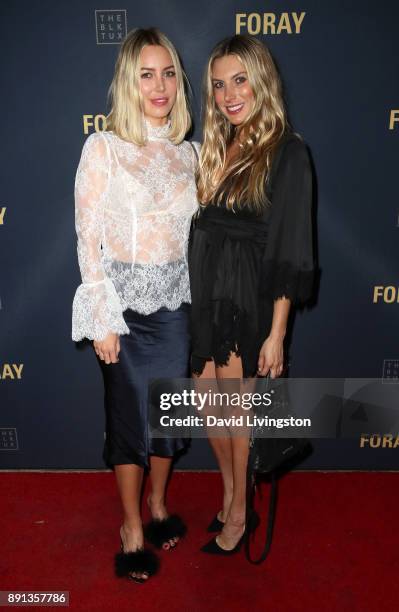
<point x="135" y="195"/>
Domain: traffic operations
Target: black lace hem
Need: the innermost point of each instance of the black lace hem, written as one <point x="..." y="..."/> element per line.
<point x="285" y="280"/>
<point x="227" y="330"/>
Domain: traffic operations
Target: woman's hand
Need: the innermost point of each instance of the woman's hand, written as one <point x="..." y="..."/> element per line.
<point x="108" y="349"/>
<point x="271" y="357"/>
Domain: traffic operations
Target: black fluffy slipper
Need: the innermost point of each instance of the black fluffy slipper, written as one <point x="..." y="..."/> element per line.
<point x="141" y="561"/>
<point x="160" y="531"/>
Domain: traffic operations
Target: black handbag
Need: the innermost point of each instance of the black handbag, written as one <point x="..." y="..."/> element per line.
<point x="271" y="456"/>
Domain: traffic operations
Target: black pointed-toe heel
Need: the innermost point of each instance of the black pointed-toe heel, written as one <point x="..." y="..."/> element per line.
<point x="142" y="561"/>
<point x="213" y="548"/>
<point x="215" y="525"/>
<point x="160" y="531"/>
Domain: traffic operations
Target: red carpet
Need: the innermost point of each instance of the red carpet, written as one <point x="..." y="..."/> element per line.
<point x="336" y="545"/>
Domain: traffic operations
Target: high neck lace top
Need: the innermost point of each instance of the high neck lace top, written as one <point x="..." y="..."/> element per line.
<point x="133" y="208"/>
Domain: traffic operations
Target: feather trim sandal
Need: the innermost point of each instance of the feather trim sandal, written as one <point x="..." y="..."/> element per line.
<point x="160" y="531"/>
<point x="141" y="561"/>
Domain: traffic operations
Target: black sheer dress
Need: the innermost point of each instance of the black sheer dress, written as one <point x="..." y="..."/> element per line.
<point x="241" y="261"/>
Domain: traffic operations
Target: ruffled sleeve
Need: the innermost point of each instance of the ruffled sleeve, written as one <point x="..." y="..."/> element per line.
<point x="96" y="307"/>
<point x="288" y="267"/>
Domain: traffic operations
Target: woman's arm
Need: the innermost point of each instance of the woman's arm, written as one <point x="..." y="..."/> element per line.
<point x="288" y="263"/>
<point x="271" y="355"/>
<point x="97" y="312"/>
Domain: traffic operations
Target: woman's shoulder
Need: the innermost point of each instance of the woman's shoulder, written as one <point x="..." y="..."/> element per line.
<point x="293" y="146"/>
<point x="292" y="141"/>
<point x="196" y="145"/>
<point x="96" y="143"/>
<point x="291" y="155"/>
<point x="191" y="145"/>
<point x="191" y="149"/>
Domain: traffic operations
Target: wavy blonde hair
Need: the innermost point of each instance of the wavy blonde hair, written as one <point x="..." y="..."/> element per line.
<point x="125" y="117"/>
<point x="244" y="180"/>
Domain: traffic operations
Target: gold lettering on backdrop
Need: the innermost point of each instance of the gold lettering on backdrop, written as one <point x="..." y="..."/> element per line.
<point x="377" y="441"/>
<point x="377" y="293"/>
<point x="362" y="441"/>
<point x="11" y="370"/>
<point x="269" y="23"/>
<point x="2" y="213"/>
<point x="298" y="21"/>
<point x="389" y="294"/>
<point x="7" y="371"/>
<point x="254" y="23"/>
<point x="18" y="370"/>
<point x="284" y="24"/>
<point x="239" y="22"/>
<point x="393" y="118"/>
<point x="98" y="122"/>
<point x="387" y="441"/>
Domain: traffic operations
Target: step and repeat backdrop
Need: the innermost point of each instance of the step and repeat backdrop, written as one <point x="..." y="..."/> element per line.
<point x="339" y="64"/>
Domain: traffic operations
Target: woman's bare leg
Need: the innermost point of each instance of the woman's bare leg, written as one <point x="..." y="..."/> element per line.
<point x="160" y="470"/>
<point x="222" y="449"/>
<point x="235" y="521"/>
<point x="129" y="480"/>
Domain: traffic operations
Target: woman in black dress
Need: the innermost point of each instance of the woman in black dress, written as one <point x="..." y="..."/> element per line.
<point x="251" y="254"/>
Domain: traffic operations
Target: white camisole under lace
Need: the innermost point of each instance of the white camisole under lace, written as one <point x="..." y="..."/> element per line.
<point x="133" y="209"/>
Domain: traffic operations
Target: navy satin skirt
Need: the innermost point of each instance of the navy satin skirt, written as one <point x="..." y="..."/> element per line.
<point x="158" y="346"/>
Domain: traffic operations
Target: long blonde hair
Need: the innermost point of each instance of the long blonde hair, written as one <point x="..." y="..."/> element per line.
<point x="244" y="181"/>
<point x="125" y="117"/>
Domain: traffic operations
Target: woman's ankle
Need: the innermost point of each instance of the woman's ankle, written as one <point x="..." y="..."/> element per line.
<point x="227" y="499"/>
<point x="236" y="518"/>
<point x="132" y="525"/>
<point x="156" y="500"/>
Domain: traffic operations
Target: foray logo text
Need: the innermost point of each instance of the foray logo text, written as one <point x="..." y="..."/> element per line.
<point x="394" y="119"/>
<point x="269" y="23"/>
<point x="11" y="371"/>
<point x="98" y="122"/>
<point x="389" y="294"/>
<point x="379" y="441"/>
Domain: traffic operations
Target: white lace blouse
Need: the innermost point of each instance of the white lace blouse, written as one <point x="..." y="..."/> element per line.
<point x="133" y="208"/>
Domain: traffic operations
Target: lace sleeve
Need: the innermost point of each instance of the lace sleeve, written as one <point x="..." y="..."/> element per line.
<point x="96" y="307"/>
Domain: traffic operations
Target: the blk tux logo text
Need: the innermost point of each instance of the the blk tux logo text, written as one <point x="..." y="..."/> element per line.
<point x="2" y="214"/>
<point x="390" y="371"/>
<point x="111" y="26"/>
<point x="389" y="294"/>
<point x="94" y="122"/>
<point x="8" y="438"/>
<point x="394" y="119"/>
<point x="269" y="23"/>
<point x="11" y="371"/>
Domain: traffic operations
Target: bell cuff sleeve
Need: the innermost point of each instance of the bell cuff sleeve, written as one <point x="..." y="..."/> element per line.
<point x="288" y="267"/>
<point x="97" y="311"/>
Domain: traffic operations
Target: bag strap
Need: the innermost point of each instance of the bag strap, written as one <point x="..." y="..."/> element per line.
<point x="270" y="523"/>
